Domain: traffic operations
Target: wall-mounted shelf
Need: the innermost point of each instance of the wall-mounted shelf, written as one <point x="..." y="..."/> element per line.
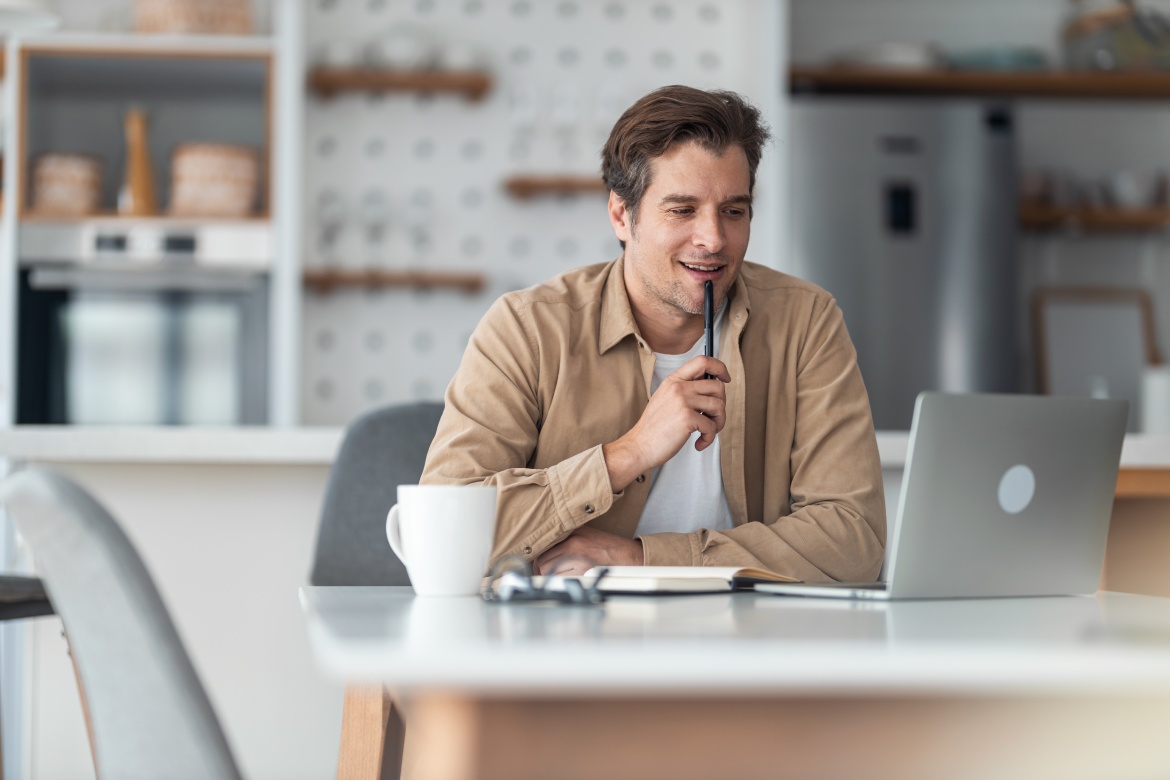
<point x="531" y="186"/>
<point x="1094" y="220"/>
<point x="329" y="81"/>
<point x="153" y="44"/>
<point x="329" y="279"/>
<point x="114" y="219"/>
<point x="1035" y="84"/>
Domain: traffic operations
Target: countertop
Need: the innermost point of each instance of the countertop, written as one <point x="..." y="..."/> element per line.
<point x="318" y="445"/>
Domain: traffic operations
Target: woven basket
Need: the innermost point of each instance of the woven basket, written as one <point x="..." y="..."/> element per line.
<point x="205" y="17"/>
<point x="214" y="180"/>
<point x="66" y="183"/>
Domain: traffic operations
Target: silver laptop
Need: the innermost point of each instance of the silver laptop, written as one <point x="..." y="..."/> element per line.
<point x="1003" y="495"/>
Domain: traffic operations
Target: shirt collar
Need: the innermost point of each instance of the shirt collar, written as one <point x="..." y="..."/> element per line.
<point x="617" y="318"/>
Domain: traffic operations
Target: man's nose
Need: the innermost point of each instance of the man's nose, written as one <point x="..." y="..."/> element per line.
<point x="708" y="233"/>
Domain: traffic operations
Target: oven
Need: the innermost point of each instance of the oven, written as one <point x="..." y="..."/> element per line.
<point x="153" y="323"/>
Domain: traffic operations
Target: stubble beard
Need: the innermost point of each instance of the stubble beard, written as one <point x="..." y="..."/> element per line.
<point x="673" y="296"/>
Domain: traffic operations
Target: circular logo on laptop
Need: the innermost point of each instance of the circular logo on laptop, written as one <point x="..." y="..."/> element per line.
<point x="1016" y="488"/>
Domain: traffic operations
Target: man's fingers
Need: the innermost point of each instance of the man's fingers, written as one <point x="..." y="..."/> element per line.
<point x="713" y="387"/>
<point x="713" y="410"/>
<point x="701" y="366"/>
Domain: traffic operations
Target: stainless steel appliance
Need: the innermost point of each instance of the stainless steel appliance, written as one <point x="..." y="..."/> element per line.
<point x="905" y="210"/>
<point x="143" y="323"/>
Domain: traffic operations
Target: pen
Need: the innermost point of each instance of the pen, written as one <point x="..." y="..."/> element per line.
<point x="709" y="319"/>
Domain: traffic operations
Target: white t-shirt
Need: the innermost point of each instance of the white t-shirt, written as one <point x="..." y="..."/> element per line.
<point x="686" y="492"/>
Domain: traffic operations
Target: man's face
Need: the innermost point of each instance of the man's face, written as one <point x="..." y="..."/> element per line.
<point x="692" y="226"/>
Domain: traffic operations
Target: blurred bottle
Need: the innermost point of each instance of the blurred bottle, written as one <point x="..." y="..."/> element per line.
<point x="137" y="197"/>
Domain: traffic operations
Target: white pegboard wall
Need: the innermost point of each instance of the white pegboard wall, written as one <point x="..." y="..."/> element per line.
<point x="416" y="181"/>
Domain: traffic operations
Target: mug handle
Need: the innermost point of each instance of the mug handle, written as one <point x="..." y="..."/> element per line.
<point x="394" y="533"/>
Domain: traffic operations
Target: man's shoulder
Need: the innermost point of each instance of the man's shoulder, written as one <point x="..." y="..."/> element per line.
<point x="573" y="289"/>
<point x="764" y="282"/>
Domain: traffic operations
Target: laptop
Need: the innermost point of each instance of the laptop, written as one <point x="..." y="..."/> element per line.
<point x="1002" y="495"/>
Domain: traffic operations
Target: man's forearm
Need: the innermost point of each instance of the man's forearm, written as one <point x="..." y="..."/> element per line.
<point x="623" y="461"/>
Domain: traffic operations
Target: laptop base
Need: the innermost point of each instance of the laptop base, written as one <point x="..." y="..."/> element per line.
<point x="873" y="591"/>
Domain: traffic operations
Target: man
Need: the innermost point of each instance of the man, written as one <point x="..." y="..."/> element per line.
<point x="585" y="400"/>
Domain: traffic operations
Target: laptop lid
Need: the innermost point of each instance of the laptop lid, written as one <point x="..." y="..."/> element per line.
<point x="1006" y="495"/>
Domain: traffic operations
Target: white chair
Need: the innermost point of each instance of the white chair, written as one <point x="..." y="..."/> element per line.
<point x="149" y="716"/>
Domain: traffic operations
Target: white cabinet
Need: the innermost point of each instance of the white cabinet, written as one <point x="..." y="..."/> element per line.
<point x="71" y="93"/>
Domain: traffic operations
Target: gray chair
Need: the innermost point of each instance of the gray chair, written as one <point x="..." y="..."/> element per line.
<point x="381" y="450"/>
<point x="149" y="716"/>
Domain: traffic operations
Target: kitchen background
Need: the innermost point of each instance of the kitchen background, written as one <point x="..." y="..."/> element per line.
<point x="415" y="181"/>
<point x="425" y="182"/>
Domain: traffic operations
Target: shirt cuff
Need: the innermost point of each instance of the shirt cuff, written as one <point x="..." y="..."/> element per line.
<point x="580" y="488"/>
<point x="671" y="550"/>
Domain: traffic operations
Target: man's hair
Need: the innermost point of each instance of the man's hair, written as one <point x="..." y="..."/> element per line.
<point x="716" y="120"/>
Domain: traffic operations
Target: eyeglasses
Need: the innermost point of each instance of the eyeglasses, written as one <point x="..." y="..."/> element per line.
<point x="511" y="580"/>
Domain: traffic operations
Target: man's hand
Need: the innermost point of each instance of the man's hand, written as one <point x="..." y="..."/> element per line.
<point x="685" y="402"/>
<point x="588" y="547"/>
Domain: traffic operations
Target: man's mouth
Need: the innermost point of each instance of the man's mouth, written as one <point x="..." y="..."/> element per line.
<point x="704" y="268"/>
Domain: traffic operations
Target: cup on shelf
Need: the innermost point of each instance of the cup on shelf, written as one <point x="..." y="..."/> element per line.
<point x="338" y="53"/>
<point x="1127" y="189"/>
<point x="461" y="55"/>
<point x="404" y="47"/>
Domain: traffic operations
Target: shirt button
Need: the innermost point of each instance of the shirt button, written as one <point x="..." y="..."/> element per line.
<point x="589" y="509"/>
<point x="528" y="551"/>
<point x="640" y="478"/>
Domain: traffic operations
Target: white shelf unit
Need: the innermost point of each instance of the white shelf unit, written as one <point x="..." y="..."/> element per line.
<point x="67" y="92"/>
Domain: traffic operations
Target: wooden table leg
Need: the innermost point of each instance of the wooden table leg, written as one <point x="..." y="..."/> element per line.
<point x="372" y="734"/>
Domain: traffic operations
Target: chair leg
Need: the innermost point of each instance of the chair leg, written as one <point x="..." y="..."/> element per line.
<point x="84" y="706"/>
<point x="372" y="735"/>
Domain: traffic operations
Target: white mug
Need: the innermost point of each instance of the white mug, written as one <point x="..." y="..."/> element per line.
<point x="443" y="534"/>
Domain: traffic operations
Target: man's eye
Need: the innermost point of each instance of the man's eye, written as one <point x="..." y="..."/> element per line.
<point x="681" y="212"/>
<point x="736" y="212"/>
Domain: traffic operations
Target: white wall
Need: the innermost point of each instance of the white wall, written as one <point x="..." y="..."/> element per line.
<point x="564" y="71"/>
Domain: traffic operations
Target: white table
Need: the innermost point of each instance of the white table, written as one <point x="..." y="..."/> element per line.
<point x="756" y="686"/>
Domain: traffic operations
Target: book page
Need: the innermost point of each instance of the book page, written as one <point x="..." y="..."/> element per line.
<point x="728" y="573"/>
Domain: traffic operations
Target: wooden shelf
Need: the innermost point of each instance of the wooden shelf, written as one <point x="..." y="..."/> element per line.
<point x="162" y="219"/>
<point x="1094" y="220"/>
<point x="525" y="187"/>
<point x="328" y="279"/>
<point x="1153" y="85"/>
<point x="329" y="81"/>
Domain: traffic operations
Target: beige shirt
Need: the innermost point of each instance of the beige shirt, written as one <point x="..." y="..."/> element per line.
<point x="555" y="371"/>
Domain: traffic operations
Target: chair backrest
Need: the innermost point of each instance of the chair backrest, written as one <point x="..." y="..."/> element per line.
<point x="381" y="450"/>
<point x="149" y="715"/>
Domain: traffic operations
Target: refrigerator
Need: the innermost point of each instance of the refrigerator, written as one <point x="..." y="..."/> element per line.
<point x="906" y="211"/>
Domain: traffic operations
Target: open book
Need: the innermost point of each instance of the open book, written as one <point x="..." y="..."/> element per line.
<point x="680" y="579"/>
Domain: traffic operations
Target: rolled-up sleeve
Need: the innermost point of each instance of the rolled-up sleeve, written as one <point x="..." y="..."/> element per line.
<point x="488" y="433"/>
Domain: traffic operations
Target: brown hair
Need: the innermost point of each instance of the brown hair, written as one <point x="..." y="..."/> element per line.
<point x="716" y="120"/>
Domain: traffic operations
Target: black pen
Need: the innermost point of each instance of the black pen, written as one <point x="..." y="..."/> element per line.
<point x="709" y="320"/>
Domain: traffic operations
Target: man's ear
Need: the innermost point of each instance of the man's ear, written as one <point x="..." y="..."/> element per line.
<point x="620" y="217"/>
